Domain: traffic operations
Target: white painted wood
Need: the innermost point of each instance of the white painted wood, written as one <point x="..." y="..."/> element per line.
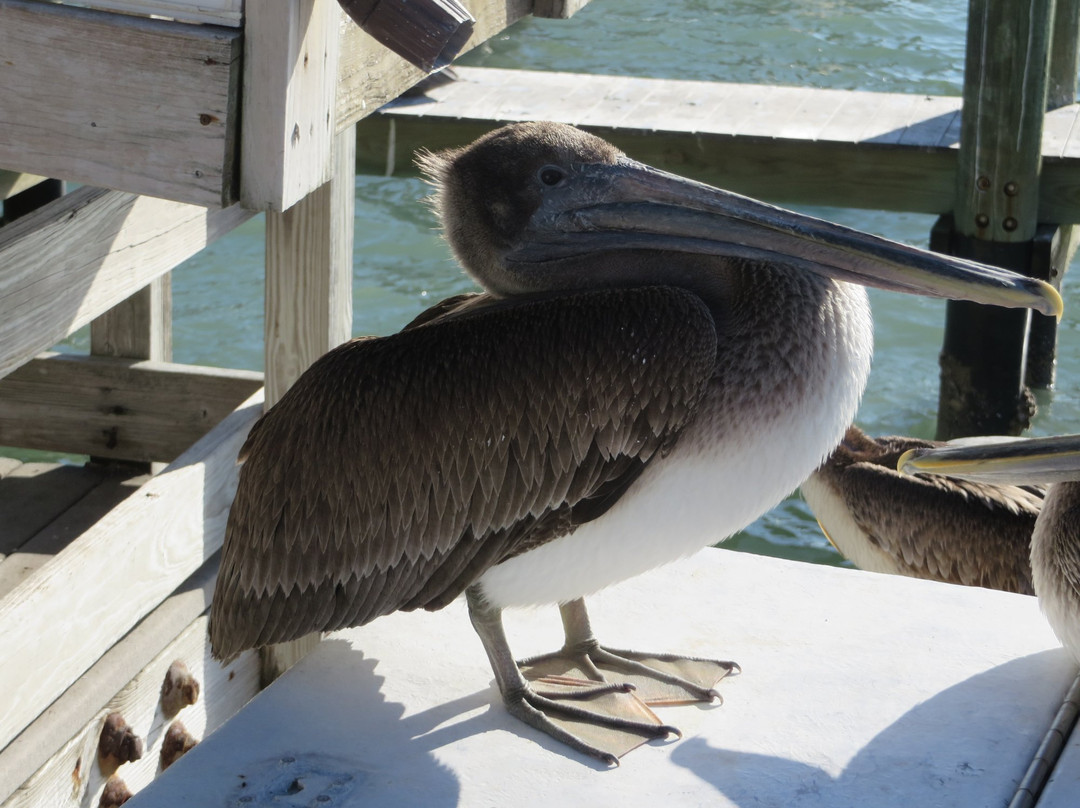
<point x="215" y="12"/>
<point x="120" y="101"/>
<point x="290" y="85"/>
<point x="308" y="302"/>
<point x="77" y="257"/>
<point x="127" y="678"/>
<point x="139" y="410"/>
<point x="59" y="622"/>
<point x="857" y="690"/>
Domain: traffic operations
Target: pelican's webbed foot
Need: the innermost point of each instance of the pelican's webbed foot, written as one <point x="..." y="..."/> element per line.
<point x="604" y="720"/>
<point x="658" y="679"/>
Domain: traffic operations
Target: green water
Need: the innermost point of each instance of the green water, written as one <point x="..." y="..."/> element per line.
<point x="401" y="265"/>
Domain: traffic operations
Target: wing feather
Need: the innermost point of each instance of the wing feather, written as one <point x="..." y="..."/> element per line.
<point x="396" y="470"/>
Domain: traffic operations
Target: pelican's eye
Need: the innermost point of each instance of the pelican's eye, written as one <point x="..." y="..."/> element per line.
<point x="551" y="175"/>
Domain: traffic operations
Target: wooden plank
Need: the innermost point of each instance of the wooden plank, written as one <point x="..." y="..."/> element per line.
<point x="139" y="105"/>
<point x="290" y="70"/>
<point x="32" y="495"/>
<point x="308" y="304"/>
<point x="59" y="622"/>
<point x="44" y="759"/>
<point x="370" y="74"/>
<point x="15" y="182"/>
<point x="701" y="137"/>
<point x="119" y="408"/>
<point x="77" y="257"/>
<point x="66" y="520"/>
<point x="215" y="12"/>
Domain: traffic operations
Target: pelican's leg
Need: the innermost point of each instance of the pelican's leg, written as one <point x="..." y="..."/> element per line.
<point x="659" y="678"/>
<point x="554" y="711"/>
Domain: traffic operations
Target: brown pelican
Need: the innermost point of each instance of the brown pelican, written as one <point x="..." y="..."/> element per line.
<point x="1055" y="543"/>
<point x="933" y="527"/>
<point x="653" y="364"/>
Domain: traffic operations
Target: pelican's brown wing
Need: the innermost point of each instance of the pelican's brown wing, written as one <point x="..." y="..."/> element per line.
<point x="942" y="528"/>
<point x="397" y="470"/>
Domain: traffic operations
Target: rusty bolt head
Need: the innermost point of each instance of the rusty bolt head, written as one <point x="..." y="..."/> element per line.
<point x="179" y="689"/>
<point x="982" y="220"/>
<point x="116" y="793"/>
<point x="1009" y="224"/>
<point x="1011" y="188"/>
<point x="177" y="743"/>
<point x="983" y="183"/>
<point x="118" y="742"/>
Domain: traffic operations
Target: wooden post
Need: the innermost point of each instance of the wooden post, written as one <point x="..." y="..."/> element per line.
<point x="1000" y="156"/>
<point x="308" y="304"/>
<point x="137" y="328"/>
<point x="1061" y="91"/>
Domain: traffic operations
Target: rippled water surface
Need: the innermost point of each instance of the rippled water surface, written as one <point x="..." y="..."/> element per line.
<point x="401" y="265"/>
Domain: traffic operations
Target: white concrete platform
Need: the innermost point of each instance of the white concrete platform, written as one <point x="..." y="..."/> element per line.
<point x="857" y="690"/>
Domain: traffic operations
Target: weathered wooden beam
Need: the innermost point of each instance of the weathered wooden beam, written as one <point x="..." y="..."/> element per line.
<point x="60" y="621"/>
<point x="983" y="358"/>
<point x="79" y="256"/>
<point x="370" y="74"/>
<point x="139" y="410"/>
<point x="290" y="73"/>
<point x="141" y="105"/>
<point x="214" y="12"/>
<point x="53" y="762"/>
<point x="308" y="304"/>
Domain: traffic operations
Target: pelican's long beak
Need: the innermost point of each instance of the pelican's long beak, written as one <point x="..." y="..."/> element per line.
<point x="631" y="205"/>
<point x="1033" y="461"/>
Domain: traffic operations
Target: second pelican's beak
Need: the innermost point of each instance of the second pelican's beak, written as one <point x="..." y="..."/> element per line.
<point x="629" y="205"/>
<point x="1033" y="461"/>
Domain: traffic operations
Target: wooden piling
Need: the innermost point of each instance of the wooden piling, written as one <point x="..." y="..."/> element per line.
<point x="995" y="215"/>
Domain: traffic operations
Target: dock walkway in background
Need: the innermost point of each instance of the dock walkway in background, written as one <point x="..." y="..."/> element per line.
<point x="797" y="145"/>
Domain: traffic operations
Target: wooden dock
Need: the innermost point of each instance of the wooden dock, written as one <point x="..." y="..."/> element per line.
<point x="794" y="145"/>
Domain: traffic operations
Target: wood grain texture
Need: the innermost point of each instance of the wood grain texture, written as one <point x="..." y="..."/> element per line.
<point x="290" y="74"/>
<point x="216" y="12"/>
<point x="119" y="101"/>
<point x="58" y="622"/>
<point x="79" y="256"/>
<point x="64" y="521"/>
<point x="138" y="410"/>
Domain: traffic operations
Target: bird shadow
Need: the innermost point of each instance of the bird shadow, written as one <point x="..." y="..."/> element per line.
<point x="940" y="747"/>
